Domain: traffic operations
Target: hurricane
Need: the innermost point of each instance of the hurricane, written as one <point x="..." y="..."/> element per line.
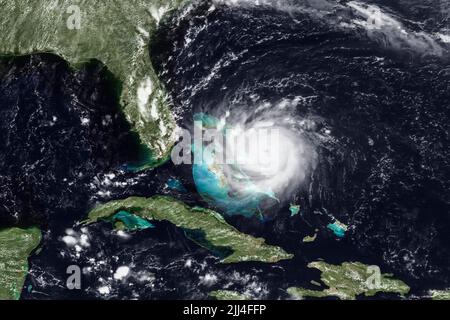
<point x="257" y="155"/>
<point x="270" y="147"/>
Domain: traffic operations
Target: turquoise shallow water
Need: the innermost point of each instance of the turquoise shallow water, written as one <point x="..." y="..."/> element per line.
<point x="337" y="230"/>
<point x="295" y="209"/>
<point x="214" y="187"/>
<point x="131" y="221"/>
<point x="175" y="184"/>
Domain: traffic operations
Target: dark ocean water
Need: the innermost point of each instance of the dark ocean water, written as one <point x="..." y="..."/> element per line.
<point x="383" y="168"/>
<point x="59" y="130"/>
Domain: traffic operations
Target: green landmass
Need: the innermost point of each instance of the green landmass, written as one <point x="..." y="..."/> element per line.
<point x="116" y="33"/>
<point x="217" y="233"/>
<point x="349" y="280"/>
<point x="120" y="226"/>
<point x="15" y="247"/>
<point x="440" y="294"/>
<point x="312" y="238"/>
<point x="227" y="295"/>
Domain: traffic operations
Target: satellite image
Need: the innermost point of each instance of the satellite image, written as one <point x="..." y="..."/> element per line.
<point x="225" y="150"/>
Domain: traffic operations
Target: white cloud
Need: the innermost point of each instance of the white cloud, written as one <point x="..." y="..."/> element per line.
<point x="121" y="273"/>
